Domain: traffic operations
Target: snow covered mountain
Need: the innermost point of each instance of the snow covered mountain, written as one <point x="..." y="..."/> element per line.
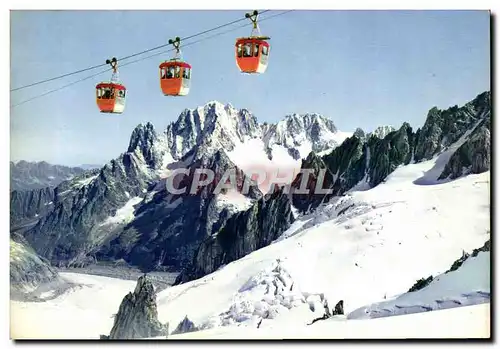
<point x="363" y="162"/>
<point x="382" y="131"/>
<point x="274" y="260"/>
<point x="123" y="210"/>
<point x="362" y="248"/>
<point x="26" y="175"/>
<point x="301" y="134"/>
<point x="367" y="248"/>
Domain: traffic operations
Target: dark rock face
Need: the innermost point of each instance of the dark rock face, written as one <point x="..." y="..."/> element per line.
<point x="458" y="263"/>
<point x="474" y="156"/>
<point x="26" y="205"/>
<point x="444" y="127"/>
<point x="420" y="284"/>
<point x="170" y="227"/>
<point x="356" y="159"/>
<point x="339" y="308"/>
<point x="311" y="181"/>
<point x="26" y="175"/>
<point x="137" y="316"/>
<point x="185" y="326"/>
<point x="242" y="234"/>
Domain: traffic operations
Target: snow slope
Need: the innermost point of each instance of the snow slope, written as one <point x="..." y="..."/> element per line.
<point x="124" y="214"/>
<point x="84" y="312"/>
<point x="469" y="284"/>
<point x="364" y="248"/>
<point x="464" y="322"/>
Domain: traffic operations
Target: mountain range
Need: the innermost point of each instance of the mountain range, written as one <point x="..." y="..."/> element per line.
<point x="25" y="175"/>
<point x="122" y="211"/>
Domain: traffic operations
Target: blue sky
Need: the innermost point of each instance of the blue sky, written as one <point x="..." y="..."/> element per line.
<point x="360" y="68"/>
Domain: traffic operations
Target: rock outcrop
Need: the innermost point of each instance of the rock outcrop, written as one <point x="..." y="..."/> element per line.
<point x="185" y="326"/>
<point x="137" y="316"/>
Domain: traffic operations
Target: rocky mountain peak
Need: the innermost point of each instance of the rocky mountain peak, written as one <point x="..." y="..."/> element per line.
<point x="137" y="316"/>
<point x="382" y="131"/>
<point x="303" y="133"/>
<point x="142" y="142"/>
<point x="359" y="133"/>
<point x="444" y="127"/>
<point x="210" y="127"/>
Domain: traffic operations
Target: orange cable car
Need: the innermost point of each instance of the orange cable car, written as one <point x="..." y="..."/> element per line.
<point x="252" y="53"/>
<point x="175" y="75"/>
<point x="110" y="96"/>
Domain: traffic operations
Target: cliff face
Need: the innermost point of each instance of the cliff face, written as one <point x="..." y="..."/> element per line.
<point x="474" y="155"/>
<point x="242" y="234"/>
<point x="29" y="205"/>
<point x="357" y="161"/>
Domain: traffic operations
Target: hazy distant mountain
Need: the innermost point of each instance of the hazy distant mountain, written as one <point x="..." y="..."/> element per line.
<point x="25" y="175"/>
<point x="90" y="166"/>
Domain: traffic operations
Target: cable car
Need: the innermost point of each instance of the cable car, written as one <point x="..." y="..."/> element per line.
<point x="175" y="74"/>
<point x="110" y="96"/>
<point x="252" y="53"/>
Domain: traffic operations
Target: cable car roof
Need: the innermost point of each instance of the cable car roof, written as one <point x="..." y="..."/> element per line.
<point x="173" y="63"/>
<point x="110" y="84"/>
<point x="259" y="39"/>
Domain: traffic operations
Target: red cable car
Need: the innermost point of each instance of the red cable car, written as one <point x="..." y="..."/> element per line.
<point x="110" y="96"/>
<point x="175" y="75"/>
<point x="252" y="53"/>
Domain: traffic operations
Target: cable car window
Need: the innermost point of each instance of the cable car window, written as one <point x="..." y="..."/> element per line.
<point x="170" y="72"/>
<point x="107" y="93"/>
<point x="247" y="50"/>
<point x="256" y="50"/>
<point x="121" y="93"/>
<point x="99" y="93"/>
<point x="265" y="50"/>
<point x="177" y="72"/>
<point x="185" y="73"/>
<point x="163" y="73"/>
<point x="240" y="50"/>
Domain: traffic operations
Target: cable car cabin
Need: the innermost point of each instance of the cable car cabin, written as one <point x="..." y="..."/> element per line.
<point x="252" y="54"/>
<point x="175" y="77"/>
<point x="110" y="97"/>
